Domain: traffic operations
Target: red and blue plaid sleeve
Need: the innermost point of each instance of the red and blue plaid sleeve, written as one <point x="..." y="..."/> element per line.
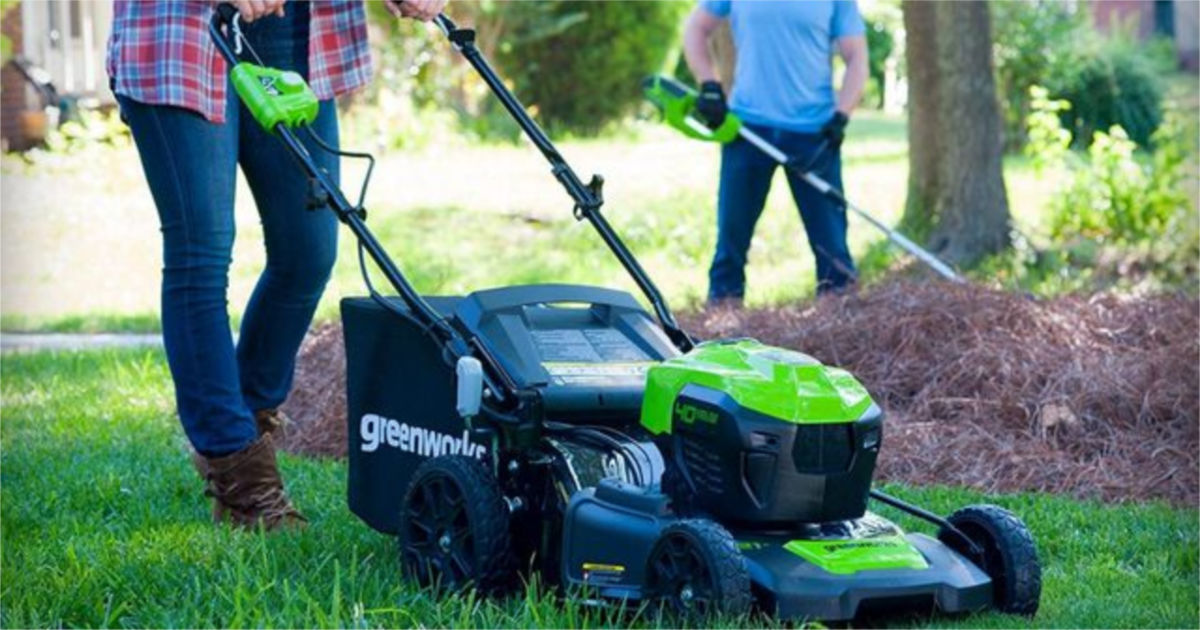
<point x="159" y="53"/>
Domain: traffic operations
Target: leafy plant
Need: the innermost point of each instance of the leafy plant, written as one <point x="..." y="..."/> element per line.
<point x="585" y="71"/>
<point x="1117" y="207"/>
<point x="881" y="42"/>
<point x="1029" y="39"/>
<point x="1110" y="81"/>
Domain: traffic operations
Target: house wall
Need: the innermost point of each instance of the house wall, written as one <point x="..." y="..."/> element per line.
<point x="1109" y="15"/>
<point x="12" y="86"/>
<point x="65" y="37"/>
<point x="1187" y="34"/>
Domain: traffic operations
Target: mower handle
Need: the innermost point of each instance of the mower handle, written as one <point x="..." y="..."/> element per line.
<point x="226" y="12"/>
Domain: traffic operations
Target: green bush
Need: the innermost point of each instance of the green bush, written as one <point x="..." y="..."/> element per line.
<point x="580" y="64"/>
<point x="1110" y="81"/>
<point x="1112" y="196"/>
<point x="880" y="44"/>
<point x="1029" y="38"/>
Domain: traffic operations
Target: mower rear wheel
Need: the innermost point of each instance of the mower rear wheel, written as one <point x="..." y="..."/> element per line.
<point x="1009" y="555"/>
<point x="454" y="532"/>
<point x="696" y="569"/>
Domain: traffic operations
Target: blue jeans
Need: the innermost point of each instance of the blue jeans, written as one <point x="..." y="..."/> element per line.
<point x="746" y="174"/>
<point x="191" y="165"/>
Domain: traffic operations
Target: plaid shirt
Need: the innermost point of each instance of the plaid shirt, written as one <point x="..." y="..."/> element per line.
<point x="160" y="53"/>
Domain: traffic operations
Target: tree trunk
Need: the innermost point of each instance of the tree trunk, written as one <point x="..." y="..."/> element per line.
<point x="920" y="57"/>
<point x="957" y="194"/>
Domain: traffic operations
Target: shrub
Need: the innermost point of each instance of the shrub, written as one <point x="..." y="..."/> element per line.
<point x="880" y="44"/>
<point x="1110" y="81"/>
<point x="1112" y="196"/>
<point x="1029" y="38"/>
<point x="588" y="73"/>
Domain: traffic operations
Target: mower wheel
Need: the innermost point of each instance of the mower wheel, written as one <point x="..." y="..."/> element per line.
<point x="695" y="569"/>
<point x="1009" y="555"/>
<point x="454" y="532"/>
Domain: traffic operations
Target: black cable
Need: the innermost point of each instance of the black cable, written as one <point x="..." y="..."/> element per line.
<point x="362" y="193"/>
<point x="374" y="294"/>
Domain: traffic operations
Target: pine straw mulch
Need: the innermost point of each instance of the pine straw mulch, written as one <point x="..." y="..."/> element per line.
<point x="1092" y="396"/>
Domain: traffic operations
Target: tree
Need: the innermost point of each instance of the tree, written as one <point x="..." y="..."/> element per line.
<point x="956" y="195"/>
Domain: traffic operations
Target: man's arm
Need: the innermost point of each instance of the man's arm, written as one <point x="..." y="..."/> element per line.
<point x="853" y="50"/>
<point x="700" y="25"/>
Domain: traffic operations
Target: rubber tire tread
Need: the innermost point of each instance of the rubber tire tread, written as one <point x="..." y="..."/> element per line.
<point x="1023" y="577"/>
<point x="722" y="553"/>
<point x="488" y="515"/>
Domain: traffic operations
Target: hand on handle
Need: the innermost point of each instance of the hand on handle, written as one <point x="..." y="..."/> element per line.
<point x="710" y="104"/>
<point x="250" y="10"/>
<point x="423" y="10"/>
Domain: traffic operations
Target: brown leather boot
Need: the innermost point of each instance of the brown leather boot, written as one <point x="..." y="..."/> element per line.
<point x="271" y="421"/>
<point x="268" y="421"/>
<point x="247" y="490"/>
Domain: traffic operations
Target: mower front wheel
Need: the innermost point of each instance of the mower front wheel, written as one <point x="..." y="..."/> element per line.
<point x="1009" y="555"/>
<point x="695" y="569"/>
<point x="454" y="532"/>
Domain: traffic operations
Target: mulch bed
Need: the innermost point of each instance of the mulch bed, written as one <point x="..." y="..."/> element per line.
<point x="1094" y="396"/>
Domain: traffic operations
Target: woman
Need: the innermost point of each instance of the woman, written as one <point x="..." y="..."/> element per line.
<point x="192" y="133"/>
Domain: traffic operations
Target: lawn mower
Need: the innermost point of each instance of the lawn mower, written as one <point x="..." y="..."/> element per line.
<point x="569" y="431"/>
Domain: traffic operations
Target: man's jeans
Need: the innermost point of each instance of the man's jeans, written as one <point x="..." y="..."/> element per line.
<point x="191" y="165"/>
<point x="746" y="174"/>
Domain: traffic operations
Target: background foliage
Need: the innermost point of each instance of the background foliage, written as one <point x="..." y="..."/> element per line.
<point x="1108" y="80"/>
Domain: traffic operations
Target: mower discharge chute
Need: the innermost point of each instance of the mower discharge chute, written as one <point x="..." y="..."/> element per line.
<point x="565" y="429"/>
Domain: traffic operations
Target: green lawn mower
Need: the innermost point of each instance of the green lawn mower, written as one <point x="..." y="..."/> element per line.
<point x="567" y="430"/>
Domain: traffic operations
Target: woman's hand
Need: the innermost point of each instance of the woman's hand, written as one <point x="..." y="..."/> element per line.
<point x="251" y="10"/>
<point x="423" y="10"/>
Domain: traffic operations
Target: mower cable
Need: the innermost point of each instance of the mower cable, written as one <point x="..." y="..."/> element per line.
<point x="928" y="516"/>
<point x="361" y="155"/>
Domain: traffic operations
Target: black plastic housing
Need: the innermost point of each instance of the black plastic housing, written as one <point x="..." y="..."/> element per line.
<point x="580" y="351"/>
<point x="754" y="471"/>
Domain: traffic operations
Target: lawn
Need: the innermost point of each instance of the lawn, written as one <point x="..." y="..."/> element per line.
<point x="456" y="217"/>
<point x="104" y="525"/>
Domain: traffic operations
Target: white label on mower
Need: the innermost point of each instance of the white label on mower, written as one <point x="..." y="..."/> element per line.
<point x="596" y="373"/>
<point x="378" y="431"/>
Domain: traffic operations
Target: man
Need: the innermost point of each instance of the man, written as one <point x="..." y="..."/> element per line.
<point x="782" y="89"/>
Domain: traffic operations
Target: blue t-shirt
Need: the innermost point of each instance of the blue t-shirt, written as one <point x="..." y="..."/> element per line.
<point x="784" y="73"/>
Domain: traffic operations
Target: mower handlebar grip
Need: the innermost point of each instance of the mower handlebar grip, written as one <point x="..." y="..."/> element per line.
<point x="226" y="12"/>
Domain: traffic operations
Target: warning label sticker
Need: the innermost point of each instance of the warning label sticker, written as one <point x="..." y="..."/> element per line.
<point x="575" y="373"/>
<point x="602" y="573"/>
<point x="587" y="345"/>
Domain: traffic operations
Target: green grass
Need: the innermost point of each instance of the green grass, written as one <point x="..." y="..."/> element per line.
<point x="494" y="218"/>
<point x="82" y="323"/>
<point x="104" y="525"/>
